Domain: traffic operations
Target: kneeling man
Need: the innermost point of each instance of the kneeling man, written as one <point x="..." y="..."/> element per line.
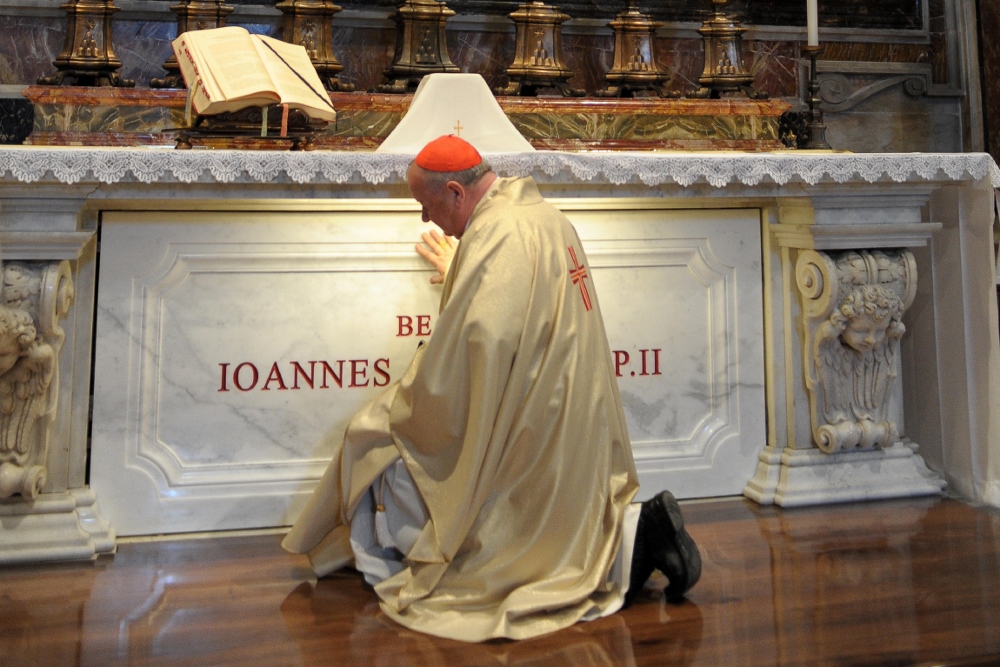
<point x="488" y="492"/>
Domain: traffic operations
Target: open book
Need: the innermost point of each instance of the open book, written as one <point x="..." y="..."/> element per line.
<point x="227" y="69"/>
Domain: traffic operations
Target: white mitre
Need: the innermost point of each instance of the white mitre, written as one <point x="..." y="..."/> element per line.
<point x="459" y="104"/>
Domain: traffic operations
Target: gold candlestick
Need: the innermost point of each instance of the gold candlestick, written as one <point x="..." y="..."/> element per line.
<point x="538" y="52"/>
<point x="87" y="58"/>
<point x="191" y="15"/>
<point x="421" y="46"/>
<point x="635" y="69"/>
<point x="724" y="72"/>
<point x="309" y="23"/>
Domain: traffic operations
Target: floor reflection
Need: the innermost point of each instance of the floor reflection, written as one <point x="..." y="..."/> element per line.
<point x="26" y="609"/>
<point x="373" y="639"/>
<point x="848" y="574"/>
<point x="902" y="582"/>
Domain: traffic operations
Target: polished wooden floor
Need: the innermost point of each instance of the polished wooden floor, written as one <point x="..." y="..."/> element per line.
<point x="913" y="582"/>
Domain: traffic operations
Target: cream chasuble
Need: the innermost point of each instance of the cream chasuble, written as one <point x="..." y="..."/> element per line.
<point x="510" y="424"/>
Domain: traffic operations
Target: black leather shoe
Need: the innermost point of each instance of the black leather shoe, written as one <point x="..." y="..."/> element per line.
<point x="662" y="543"/>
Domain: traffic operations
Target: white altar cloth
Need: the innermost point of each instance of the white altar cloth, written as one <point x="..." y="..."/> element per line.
<point x="441" y="103"/>
<point x="148" y="165"/>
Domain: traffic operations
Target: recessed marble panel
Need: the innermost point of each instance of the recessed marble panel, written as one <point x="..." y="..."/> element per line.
<point x="232" y="349"/>
<point x="687" y="289"/>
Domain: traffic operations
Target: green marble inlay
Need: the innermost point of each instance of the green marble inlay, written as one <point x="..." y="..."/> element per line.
<point x="373" y="124"/>
<point x="86" y="118"/>
<point x="596" y="127"/>
<point x="377" y="125"/>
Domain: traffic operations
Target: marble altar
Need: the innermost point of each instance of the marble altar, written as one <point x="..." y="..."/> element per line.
<point x="199" y="249"/>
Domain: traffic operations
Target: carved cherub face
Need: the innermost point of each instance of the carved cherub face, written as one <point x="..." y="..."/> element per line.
<point x="864" y="333"/>
<point x="865" y="317"/>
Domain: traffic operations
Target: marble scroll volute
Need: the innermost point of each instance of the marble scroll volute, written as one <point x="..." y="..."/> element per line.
<point x="852" y="305"/>
<point x="34" y="297"/>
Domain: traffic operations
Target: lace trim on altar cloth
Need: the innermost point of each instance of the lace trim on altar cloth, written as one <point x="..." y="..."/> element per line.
<point x="114" y="165"/>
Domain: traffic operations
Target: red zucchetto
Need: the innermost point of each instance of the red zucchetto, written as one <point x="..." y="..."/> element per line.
<point x="448" y="154"/>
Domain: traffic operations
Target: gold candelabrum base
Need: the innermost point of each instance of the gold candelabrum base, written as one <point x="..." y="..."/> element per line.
<point x="724" y="71"/>
<point x="815" y="124"/>
<point x="635" y="69"/>
<point x="421" y="46"/>
<point x="309" y="23"/>
<point x="191" y="15"/>
<point x="87" y="57"/>
<point x="538" y="52"/>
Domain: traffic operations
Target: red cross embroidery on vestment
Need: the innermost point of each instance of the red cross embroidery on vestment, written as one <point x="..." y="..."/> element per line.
<point x="577" y="275"/>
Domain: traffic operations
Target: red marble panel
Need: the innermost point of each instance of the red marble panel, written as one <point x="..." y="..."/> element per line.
<point x="774" y="66"/>
<point x="486" y="53"/>
<point x="27" y="47"/>
<point x="590" y="57"/>
<point x="365" y="54"/>
<point x="684" y="60"/>
<point x="142" y="46"/>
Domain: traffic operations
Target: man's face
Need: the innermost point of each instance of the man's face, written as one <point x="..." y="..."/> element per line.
<point x="440" y="205"/>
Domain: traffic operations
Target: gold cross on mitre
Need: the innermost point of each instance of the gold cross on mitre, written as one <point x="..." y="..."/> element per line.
<point x="458" y="128"/>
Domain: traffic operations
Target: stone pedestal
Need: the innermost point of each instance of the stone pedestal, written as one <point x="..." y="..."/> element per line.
<point x="49" y="277"/>
<point x="53" y="527"/>
<point x="844" y="424"/>
<point x="794" y="478"/>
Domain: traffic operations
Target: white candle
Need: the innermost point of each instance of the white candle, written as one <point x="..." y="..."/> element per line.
<point x="812" y="23"/>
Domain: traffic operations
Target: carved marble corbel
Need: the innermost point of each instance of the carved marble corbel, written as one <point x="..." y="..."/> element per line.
<point x="852" y="303"/>
<point x="844" y="85"/>
<point x="34" y="297"/>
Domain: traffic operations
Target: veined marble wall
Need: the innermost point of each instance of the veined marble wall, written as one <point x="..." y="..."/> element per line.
<point x="897" y="75"/>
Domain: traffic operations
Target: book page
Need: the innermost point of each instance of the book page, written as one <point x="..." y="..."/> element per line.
<point x="309" y="95"/>
<point x="196" y="75"/>
<point x="231" y="57"/>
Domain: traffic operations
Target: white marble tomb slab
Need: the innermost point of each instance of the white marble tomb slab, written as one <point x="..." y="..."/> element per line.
<point x="232" y="349"/>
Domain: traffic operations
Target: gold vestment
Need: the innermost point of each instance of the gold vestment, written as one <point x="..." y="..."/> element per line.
<point x="510" y="424"/>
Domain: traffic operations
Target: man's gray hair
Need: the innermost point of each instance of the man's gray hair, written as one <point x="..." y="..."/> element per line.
<point x="465" y="178"/>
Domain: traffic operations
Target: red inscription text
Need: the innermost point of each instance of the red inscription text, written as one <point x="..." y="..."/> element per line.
<point x="417" y="325"/>
<point x="319" y="374"/>
<point x="649" y="363"/>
